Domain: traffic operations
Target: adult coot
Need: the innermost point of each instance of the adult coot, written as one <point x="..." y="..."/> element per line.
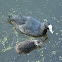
<point x="27" y="46"/>
<point x="30" y="26"/>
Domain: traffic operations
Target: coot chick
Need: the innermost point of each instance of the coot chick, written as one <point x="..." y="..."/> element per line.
<point x="30" y="26"/>
<point x="27" y="46"/>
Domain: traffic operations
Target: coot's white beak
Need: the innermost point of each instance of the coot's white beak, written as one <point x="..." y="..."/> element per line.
<point x="50" y="28"/>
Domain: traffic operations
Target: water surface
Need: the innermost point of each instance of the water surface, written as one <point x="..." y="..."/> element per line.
<point x="42" y="10"/>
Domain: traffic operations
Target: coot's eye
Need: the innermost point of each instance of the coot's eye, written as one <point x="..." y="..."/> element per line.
<point x="38" y="42"/>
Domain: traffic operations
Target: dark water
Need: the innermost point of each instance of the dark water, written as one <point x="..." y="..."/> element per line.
<point x="47" y="10"/>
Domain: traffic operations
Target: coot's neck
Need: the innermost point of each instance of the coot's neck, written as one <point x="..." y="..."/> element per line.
<point x="46" y="25"/>
<point x="43" y="26"/>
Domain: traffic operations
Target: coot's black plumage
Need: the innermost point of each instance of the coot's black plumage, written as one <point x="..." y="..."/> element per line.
<point x="30" y="25"/>
<point x="27" y="46"/>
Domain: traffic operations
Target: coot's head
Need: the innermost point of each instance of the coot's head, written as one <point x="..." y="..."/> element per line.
<point x="49" y="27"/>
<point x="37" y="43"/>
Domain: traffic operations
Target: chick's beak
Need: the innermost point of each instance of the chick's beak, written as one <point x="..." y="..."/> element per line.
<point x="41" y="43"/>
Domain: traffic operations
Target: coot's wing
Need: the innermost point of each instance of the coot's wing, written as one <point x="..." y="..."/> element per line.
<point x="31" y="27"/>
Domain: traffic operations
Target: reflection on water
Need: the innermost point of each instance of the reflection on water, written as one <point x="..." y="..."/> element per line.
<point x="50" y="11"/>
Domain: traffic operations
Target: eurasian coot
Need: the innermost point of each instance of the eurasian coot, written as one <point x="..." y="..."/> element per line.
<point x="27" y="46"/>
<point x="30" y="26"/>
